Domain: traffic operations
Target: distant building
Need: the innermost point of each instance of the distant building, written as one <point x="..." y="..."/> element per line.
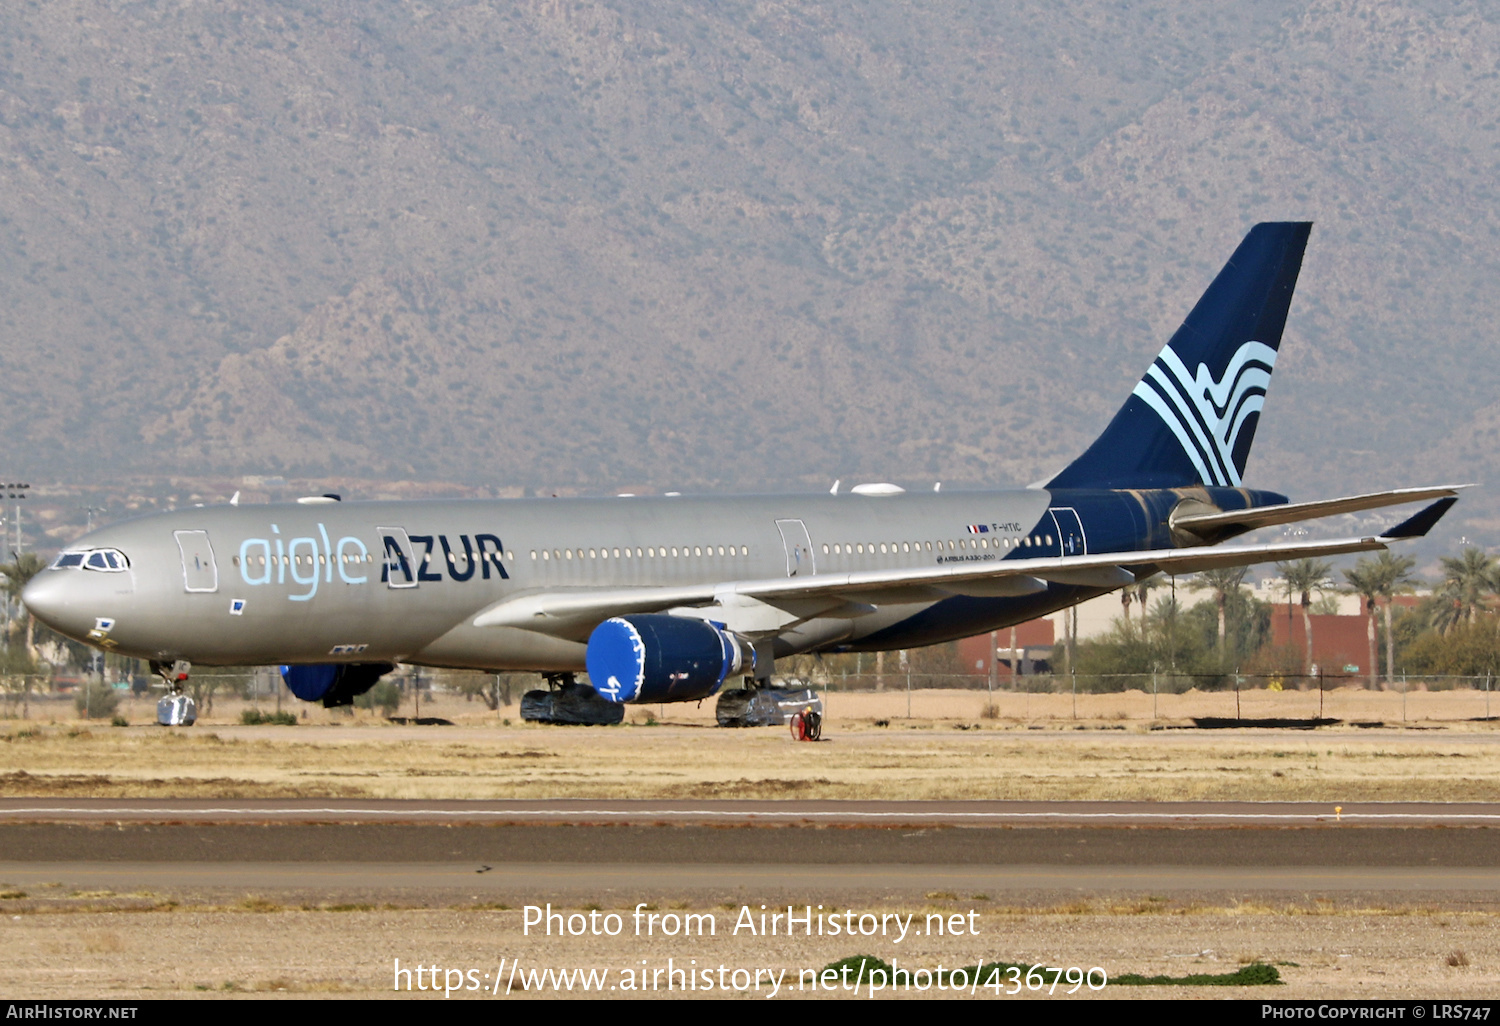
<point x="1339" y="640"/>
<point x="1021" y="650"/>
<point x="1341" y="644"/>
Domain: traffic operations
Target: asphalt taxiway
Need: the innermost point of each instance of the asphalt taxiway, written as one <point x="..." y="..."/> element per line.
<point x="509" y="851"/>
<point x="753" y="812"/>
<point x="514" y="884"/>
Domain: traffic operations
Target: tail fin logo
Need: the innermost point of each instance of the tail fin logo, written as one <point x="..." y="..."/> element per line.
<point x="1207" y="415"/>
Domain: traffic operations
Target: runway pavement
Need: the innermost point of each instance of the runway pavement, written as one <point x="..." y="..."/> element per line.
<point x="743" y="813"/>
<point x="600" y="833"/>
<point x="507" y="852"/>
<point x="514" y="884"/>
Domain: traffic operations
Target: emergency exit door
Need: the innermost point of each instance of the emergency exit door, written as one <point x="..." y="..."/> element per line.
<point x="799" y="550"/>
<point x="1070" y="539"/>
<point x="199" y="571"/>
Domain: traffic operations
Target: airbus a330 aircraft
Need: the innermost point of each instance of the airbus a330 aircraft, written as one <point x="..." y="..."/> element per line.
<point x="664" y="599"/>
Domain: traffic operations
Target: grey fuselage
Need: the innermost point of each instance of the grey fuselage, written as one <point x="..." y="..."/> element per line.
<point x="324" y="583"/>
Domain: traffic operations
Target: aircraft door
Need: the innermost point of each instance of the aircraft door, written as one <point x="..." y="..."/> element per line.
<point x="1070" y="535"/>
<point x="399" y="562"/>
<point x="799" y="550"/>
<point x="199" y="571"/>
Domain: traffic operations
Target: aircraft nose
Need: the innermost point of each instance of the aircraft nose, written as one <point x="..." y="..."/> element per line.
<point x="48" y="597"/>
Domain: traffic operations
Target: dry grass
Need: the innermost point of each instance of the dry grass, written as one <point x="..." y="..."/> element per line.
<point x="1334" y="952"/>
<point x="847" y="709"/>
<point x="1032" y="750"/>
<point x="97" y="942"/>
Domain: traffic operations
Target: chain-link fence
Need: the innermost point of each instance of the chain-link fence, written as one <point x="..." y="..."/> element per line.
<point x="1214" y="699"/>
<point x="230" y="691"/>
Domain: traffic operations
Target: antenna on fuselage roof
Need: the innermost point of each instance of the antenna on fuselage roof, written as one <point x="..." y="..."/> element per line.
<point x="835" y="489"/>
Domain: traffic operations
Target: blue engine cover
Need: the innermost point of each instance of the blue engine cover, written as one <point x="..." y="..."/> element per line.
<point x="310" y="683"/>
<point x="657" y="658"/>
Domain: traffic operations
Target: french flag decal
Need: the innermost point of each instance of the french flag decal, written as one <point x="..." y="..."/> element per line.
<point x="979" y="528"/>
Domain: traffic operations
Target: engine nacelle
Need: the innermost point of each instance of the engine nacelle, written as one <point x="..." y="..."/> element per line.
<point x="334" y="684"/>
<point x="658" y="658"/>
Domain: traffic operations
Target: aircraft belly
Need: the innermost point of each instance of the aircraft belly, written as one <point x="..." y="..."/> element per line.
<point x="333" y="629"/>
<point x="501" y="648"/>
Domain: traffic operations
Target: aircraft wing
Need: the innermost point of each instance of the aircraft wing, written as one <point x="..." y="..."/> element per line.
<point x="767" y="606"/>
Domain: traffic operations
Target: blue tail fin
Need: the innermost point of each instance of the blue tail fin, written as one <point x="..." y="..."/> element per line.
<point x="1193" y="416"/>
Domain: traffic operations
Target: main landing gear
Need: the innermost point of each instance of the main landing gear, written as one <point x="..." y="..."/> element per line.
<point x="761" y="705"/>
<point x="176" y="708"/>
<point x="793" y="703"/>
<point x="567" y="701"/>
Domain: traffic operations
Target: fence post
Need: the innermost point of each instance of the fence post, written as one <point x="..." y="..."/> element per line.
<point x="906" y="665"/>
<point x="994" y="658"/>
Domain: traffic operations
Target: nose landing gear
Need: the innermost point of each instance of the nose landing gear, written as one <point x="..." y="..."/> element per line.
<point x="176" y="709"/>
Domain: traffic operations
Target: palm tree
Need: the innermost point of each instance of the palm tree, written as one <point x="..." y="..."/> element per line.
<point x="23" y="568"/>
<point x="1142" y="593"/>
<point x="1395" y="578"/>
<point x="1223" y="583"/>
<point x="1306" y="576"/>
<point x="1364" y="580"/>
<point x="1467" y="580"/>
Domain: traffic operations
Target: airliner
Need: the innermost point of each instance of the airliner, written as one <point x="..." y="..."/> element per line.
<point x="667" y="598"/>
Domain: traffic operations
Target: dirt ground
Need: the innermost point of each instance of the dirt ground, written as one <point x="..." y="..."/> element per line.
<point x="871" y="750"/>
<point x="99" y="944"/>
<point x="1414" y="708"/>
<point x="260" y="946"/>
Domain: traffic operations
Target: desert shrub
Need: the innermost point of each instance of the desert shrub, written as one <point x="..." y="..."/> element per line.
<point x="1468" y="649"/>
<point x="97" y="701"/>
<point x="256" y="718"/>
<point x="1254" y="975"/>
<point x="384" y="696"/>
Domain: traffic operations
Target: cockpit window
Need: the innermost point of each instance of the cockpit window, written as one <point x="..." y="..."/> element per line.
<point x="104" y="560"/>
